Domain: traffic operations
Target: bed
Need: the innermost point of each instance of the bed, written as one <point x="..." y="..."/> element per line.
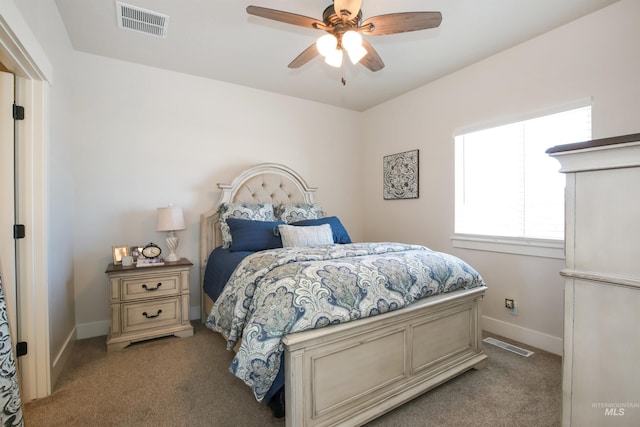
<point x="353" y="369"/>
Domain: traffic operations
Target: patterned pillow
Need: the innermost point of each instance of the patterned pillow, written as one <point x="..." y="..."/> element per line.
<point x="298" y="212"/>
<point x="257" y="212"/>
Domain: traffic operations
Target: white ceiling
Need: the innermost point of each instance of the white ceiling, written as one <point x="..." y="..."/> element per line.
<point x="217" y="39"/>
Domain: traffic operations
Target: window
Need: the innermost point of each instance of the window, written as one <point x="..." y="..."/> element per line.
<point x="506" y="185"/>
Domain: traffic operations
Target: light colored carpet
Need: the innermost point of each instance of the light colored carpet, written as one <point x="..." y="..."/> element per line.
<point x="186" y="382"/>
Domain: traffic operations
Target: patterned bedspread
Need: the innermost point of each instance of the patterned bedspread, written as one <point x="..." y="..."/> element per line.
<point x="280" y="291"/>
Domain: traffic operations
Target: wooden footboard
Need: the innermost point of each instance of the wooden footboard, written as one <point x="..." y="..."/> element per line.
<point x="351" y="373"/>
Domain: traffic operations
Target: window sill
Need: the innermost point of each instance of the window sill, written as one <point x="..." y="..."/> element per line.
<point x="511" y="245"/>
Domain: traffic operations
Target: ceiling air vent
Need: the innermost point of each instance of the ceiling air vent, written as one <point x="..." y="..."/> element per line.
<point x="142" y="20"/>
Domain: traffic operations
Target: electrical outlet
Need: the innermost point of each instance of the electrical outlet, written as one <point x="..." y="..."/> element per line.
<point x="510" y="304"/>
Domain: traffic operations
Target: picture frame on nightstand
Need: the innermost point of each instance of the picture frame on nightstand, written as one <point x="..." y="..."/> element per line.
<point x="118" y="253"/>
<point x="135" y="252"/>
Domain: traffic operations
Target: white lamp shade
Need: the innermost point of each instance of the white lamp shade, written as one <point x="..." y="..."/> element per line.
<point x="334" y="58"/>
<point x="170" y="219"/>
<point x="326" y="44"/>
<point x="351" y="40"/>
<point x="356" y="54"/>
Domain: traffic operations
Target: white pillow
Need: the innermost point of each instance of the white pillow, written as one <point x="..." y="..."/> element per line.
<point x="305" y="236"/>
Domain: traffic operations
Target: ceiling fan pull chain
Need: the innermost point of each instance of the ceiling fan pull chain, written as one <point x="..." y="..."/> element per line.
<point x="342" y="79"/>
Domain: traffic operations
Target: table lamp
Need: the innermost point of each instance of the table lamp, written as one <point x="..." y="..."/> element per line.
<point x="171" y="219"/>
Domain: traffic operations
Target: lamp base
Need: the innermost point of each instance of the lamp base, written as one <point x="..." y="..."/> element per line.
<point x="172" y="243"/>
<point x="172" y="257"/>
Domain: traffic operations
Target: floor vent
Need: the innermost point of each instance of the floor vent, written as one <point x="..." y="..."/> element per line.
<point x="509" y="347"/>
<point x="141" y="20"/>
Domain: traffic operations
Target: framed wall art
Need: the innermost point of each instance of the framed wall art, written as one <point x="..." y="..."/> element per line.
<point x="400" y="175"/>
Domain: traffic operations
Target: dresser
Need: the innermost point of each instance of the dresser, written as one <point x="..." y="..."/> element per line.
<point x="148" y="302"/>
<point x="601" y="377"/>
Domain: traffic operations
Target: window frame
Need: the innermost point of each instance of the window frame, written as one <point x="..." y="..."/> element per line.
<point x="545" y="248"/>
<point x="528" y="246"/>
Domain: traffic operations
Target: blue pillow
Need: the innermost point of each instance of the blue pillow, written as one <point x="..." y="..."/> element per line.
<point x="252" y="235"/>
<point x="340" y="234"/>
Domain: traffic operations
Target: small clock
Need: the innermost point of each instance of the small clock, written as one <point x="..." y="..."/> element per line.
<point x="151" y="251"/>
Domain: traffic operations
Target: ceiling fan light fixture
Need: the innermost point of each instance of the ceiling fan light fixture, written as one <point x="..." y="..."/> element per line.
<point x="351" y="40"/>
<point x="342" y="21"/>
<point x="356" y="54"/>
<point x="326" y="44"/>
<point x="334" y="58"/>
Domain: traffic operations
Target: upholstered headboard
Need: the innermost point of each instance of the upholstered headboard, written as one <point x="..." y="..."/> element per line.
<point x="263" y="183"/>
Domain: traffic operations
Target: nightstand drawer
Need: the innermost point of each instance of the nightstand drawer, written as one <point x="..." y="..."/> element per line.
<point x="156" y="313"/>
<point x="150" y="286"/>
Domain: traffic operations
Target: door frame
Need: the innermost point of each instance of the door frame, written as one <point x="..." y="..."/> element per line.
<point x="7" y="199"/>
<point x="22" y="55"/>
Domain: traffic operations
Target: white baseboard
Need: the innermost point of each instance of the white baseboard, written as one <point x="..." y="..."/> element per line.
<point x="509" y="330"/>
<point x="62" y="357"/>
<point x="93" y="329"/>
<point x="526" y="336"/>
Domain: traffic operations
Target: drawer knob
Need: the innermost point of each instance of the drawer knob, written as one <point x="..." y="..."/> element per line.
<point x="144" y="286"/>
<point x="151" y="316"/>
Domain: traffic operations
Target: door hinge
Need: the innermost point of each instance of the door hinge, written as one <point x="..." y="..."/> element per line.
<point x="18" y="112"/>
<point x="21" y="348"/>
<point x="18" y="231"/>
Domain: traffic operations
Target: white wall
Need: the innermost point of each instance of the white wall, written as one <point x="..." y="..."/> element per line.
<point x="596" y="56"/>
<point x="145" y="137"/>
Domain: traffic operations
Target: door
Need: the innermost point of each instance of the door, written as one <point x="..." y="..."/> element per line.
<point x="22" y="55"/>
<point x="7" y="199"/>
<point x="10" y="414"/>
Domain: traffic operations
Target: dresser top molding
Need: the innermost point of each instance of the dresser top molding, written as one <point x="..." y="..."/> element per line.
<point x="598" y="154"/>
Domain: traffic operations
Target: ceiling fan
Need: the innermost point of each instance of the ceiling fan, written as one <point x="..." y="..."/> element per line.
<point x="344" y="25"/>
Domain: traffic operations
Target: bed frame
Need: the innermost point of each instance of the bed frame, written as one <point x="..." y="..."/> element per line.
<point x="351" y="373"/>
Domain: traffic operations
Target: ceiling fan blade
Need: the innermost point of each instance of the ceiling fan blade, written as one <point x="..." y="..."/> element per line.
<point x="307" y="55"/>
<point x="403" y="22"/>
<point x="286" y="17"/>
<point x="371" y="60"/>
<point x="347" y="9"/>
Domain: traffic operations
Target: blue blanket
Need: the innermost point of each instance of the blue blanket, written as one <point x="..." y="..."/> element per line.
<point x="220" y="265"/>
<point x="280" y="291"/>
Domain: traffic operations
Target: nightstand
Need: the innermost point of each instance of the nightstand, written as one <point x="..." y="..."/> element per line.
<point x="148" y="302"/>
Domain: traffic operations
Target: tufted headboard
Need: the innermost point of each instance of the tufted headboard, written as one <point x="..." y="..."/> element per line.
<point x="263" y="183"/>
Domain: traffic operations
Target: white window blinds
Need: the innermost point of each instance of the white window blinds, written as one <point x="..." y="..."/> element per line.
<point x="506" y="185"/>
